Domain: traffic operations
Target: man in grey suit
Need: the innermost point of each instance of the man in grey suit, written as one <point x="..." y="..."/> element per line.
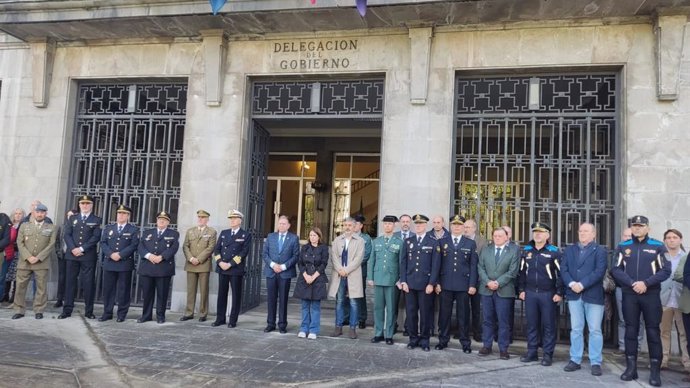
<point x="280" y="255"/>
<point x="497" y="269"/>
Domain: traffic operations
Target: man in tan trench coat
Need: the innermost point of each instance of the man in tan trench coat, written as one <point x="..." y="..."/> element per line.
<point x="347" y="251"/>
<point x="198" y="246"/>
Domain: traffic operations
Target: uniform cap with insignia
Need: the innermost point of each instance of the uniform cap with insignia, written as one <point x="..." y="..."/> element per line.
<point x="420" y="219"/>
<point x="123" y="209"/>
<point x="41" y="208"/>
<point x="639" y="220"/>
<point x="540" y="227"/>
<point x="163" y="214"/>
<point x="202" y="213"/>
<point x="390" y="219"/>
<point x="457" y="219"/>
<point x="86" y="199"/>
<point x="234" y="213"/>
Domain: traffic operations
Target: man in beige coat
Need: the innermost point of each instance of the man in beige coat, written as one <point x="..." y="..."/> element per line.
<point x="347" y="251"/>
<point x="36" y="243"/>
<point x="198" y="246"/>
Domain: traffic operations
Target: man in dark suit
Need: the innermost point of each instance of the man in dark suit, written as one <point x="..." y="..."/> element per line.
<point x="497" y="269"/>
<point x="157" y="249"/>
<point x="119" y="242"/>
<point x="280" y="254"/>
<point x="230" y="255"/>
<point x="472" y="233"/>
<point x="583" y="269"/>
<point x="403" y="233"/>
<point x="81" y="234"/>
<point x="458" y="281"/>
<point x="420" y="263"/>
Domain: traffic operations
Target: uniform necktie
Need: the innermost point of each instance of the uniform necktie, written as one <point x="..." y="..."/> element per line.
<point x="455" y="240"/>
<point x="232" y="233"/>
<point x="498" y="255"/>
<point x="119" y="229"/>
<point x="280" y="242"/>
<point x="419" y="240"/>
<point x="83" y="218"/>
<point x="159" y="233"/>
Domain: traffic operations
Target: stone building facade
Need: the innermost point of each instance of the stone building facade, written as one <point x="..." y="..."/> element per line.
<point x="506" y="111"/>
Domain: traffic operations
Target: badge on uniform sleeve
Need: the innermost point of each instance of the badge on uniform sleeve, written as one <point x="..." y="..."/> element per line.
<point x="110" y="233"/>
<point x="149" y="237"/>
<point x="237" y="259"/>
<point x="75" y="221"/>
<point x="529" y="255"/>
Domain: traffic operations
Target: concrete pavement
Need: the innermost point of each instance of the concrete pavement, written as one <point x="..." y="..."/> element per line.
<point x="78" y="352"/>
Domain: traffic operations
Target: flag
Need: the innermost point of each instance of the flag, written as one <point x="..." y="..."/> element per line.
<point x="362" y="7"/>
<point x="216" y="5"/>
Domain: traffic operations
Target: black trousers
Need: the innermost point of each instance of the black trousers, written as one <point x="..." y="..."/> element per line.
<point x="158" y="287"/>
<point x="84" y="271"/>
<point x="419" y="307"/>
<point x="475" y="315"/>
<point x="62" y="277"/>
<point x="117" y="287"/>
<point x="225" y="283"/>
<point x="445" y="316"/>
<point x="278" y="292"/>
<point x="649" y="304"/>
<point x="541" y="312"/>
<point x="686" y="324"/>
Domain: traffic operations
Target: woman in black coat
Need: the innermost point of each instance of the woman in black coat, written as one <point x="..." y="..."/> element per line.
<point x="312" y="284"/>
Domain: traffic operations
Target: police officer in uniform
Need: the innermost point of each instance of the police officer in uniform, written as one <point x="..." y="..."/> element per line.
<point x="36" y="241"/>
<point x="640" y="268"/>
<point x="230" y="256"/>
<point x="458" y="280"/>
<point x="81" y="234"/>
<point x="420" y="263"/>
<point x="384" y="275"/>
<point x="157" y="249"/>
<point x="541" y="288"/>
<point x="199" y="242"/>
<point x="119" y="242"/>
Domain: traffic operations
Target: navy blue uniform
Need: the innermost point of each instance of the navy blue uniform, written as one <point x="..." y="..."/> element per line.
<point x="457" y="274"/>
<point x="644" y="260"/>
<point x="117" y="275"/>
<point x="419" y="266"/>
<point x="540" y="280"/>
<point x="231" y="248"/>
<point x="155" y="278"/>
<point x="84" y="234"/>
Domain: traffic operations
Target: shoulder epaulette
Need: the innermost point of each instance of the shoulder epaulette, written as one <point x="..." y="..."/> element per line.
<point x="652" y="241"/>
<point x="552" y="248"/>
<point x="528" y="247"/>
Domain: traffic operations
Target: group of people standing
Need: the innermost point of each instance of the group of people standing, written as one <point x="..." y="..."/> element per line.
<point x="417" y="268"/>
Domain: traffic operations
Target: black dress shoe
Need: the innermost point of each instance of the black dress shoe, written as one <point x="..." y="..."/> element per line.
<point x="17" y="316"/>
<point x="63" y="316"/>
<point x="39" y="316"/>
<point x="440" y="347"/>
<point x="467" y="349"/>
<point x="142" y="320"/>
<point x="232" y="325"/>
<point x="103" y="319"/>
<point x="282" y="331"/>
<point x="58" y="304"/>
<point x="529" y="358"/>
<point x="389" y="341"/>
<point x="362" y="325"/>
<point x="160" y="320"/>
<point x="504" y="356"/>
<point x="269" y="329"/>
<point x="202" y="319"/>
<point x="186" y="318"/>
<point x="376" y="340"/>
<point x="217" y="323"/>
<point x="120" y="320"/>
<point x="90" y="316"/>
<point x="546" y="360"/>
<point x="425" y="348"/>
<point x="411" y="345"/>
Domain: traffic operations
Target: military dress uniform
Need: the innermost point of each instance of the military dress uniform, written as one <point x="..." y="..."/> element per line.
<point x="458" y="273"/>
<point x="38" y="240"/>
<point x="540" y="280"/>
<point x="233" y="247"/>
<point x="641" y="260"/>
<point x="84" y="232"/>
<point x="117" y="275"/>
<point x="384" y="271"/>
<point x="419" y="266"/>
<point x="198" y="243"/>
<point x="155" y="278"/>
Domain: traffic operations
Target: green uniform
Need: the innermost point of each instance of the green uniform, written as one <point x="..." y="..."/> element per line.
<point x="384" y="270"/>
<point x="34" y="240"/>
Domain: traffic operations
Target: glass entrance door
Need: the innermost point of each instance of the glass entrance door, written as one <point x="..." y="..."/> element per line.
<point x="356" y="189"/>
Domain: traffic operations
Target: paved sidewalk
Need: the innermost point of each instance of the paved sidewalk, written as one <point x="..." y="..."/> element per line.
<point x="77" y="352"/>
